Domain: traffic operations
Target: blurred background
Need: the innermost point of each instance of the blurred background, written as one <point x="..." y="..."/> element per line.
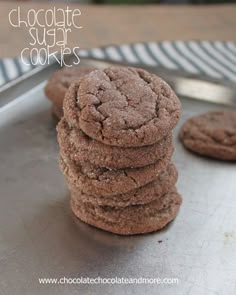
<point x="114" y="22"/>
<point x="138" y="1"/>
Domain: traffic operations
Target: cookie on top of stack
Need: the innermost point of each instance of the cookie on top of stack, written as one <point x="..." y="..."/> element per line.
<point x="116" y="147"/>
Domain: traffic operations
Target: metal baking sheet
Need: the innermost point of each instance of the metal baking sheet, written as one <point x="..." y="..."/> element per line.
<point x="39" y="237"/>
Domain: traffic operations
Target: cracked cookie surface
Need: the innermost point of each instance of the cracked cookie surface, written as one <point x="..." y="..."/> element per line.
<point x="122" y="106"/>
<point x="99" y="181"/>
<point x="142" y="195"/>
<point x="136" y="219"/>
<point x="211" y="134"/>
<point x="81" y="147"/>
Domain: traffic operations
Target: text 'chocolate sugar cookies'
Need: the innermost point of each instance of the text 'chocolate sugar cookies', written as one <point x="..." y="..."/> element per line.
<point x="115" y="150"/>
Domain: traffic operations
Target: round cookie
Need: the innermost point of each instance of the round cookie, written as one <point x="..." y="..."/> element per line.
<point x="142" y="195"/>
<point x="61" y="80"/>
<point x="137" y="219"/>
<point x="84" y="148"/>
<point x="211" y="134"/>
<point x="99" y="181"/>
<point x="122" y="106"/>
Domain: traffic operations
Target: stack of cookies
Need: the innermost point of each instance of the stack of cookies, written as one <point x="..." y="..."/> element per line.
<point x="116" y="147"/>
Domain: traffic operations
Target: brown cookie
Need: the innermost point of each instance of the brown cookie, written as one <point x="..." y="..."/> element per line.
<point x="122" y="106"/>
<point x="212" y="134"/>
<point x="80" y="147"/>
<point x="57" y="111"/>
<point x="142" y="195"/>
<point x="99" y="181"/>
<point x="137" y="219"/>
<point x="60" y="81"/>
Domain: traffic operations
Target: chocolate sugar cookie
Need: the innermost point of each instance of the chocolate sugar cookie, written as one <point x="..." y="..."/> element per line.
<point x="137" y="219"/>
<point x="57" y="111"/>
<point x="59" y="83"/>
<point x="99" y="181"/>
<point x="122" y="106"/>
<point x="81" y="147"/>
<point x="145" y="194"/>
<point x="212" y="134"/>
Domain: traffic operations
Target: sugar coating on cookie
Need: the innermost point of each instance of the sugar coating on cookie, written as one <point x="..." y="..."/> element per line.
<point x="211" y="134"/>
<point x="116" y="147"/>
<point x="122" y="107"/>
<point x="145" y="194"/>
<point x="137" y="219"/>
<point x="99" y="181"/>
<point x="83" y="148"/>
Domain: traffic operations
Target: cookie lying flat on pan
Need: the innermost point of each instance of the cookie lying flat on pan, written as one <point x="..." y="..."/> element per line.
<point x="122" y="107"/>
<point x="130" y="220"/>
<point x="59" y="83"/>
<point x="145" y="194"/>
<point x="211" y="134"/>
<point x="99" y="181"/>
<point x="81" y="147"/>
